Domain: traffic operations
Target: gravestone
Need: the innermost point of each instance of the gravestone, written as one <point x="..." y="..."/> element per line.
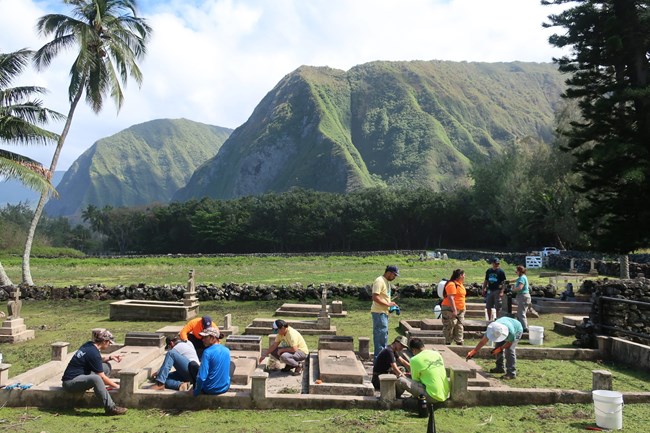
<point x="13" y="329"/>
<point x="340" y="366"/>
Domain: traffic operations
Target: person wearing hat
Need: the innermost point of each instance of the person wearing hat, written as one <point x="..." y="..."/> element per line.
<point x="428" y="374"/>
<point x="88" y="368"/>
<point x="192" y="332"/>
<point x="381" y="302"/>
<point x="213" y="376"/>
<point x="179" y="356"/>
<point x="289" y="347"/>
<point x="386" y="362"/>
<point x="493" y="287"/>
<point x="505" y="332"/>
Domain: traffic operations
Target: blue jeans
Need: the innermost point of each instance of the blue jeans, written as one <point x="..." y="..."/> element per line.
<point x="379" y="332"/>
<point x="182" y="374"/>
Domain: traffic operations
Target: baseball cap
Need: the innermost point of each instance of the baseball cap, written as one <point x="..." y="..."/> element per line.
<point x="495" y="260"/>
<point x="103" y="335"/>
<point x="213" y="332"/>
<point x="402" y="340"/>
<point x="496" y="332"/>
<point x="392" y="268"/>
<point x="207" y="321"/>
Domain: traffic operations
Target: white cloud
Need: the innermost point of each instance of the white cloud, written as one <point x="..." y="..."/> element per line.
<point x="214" y="60"/>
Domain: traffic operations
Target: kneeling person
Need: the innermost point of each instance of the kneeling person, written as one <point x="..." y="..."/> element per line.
<point x="429" y="377"/>
<point x="88" y="368"/>
<point x="387" y="360"/>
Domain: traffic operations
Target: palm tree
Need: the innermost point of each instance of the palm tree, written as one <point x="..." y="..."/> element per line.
<point x="110" y="38"/>
<point x="20" y="120"/>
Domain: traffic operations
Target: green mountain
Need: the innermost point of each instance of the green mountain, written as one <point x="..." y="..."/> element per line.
<point x="143" y="164"/>
<point x="381" y="123"/>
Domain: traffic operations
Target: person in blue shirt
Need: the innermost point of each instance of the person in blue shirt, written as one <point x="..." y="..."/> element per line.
<point x="506" y="333"/>
<point x="216" y="368"/>
<point x="523" y="299"/>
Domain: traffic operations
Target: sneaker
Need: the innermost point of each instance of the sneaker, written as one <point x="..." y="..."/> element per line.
<point x="184" y="386"/>
<point x="498" y="370"/>
<point x="286" y="369"/>
<point x="116" y="410"/>
<point x="297" y="371"/>
<point x="508" y="376"/>
<point x="459" y="343"/>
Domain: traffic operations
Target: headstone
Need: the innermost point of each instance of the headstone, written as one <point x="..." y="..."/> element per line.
<point x="572" y="268"/>
<point x="625" y="267"/>
<point x="445" y="256"/>
<point x="364" y="348"/>
<point x="592" y="270"/>
<point x="15" y="304"/>
<point x="337" y="307"/>
<point x="189" y="297"/>
<point x="13" y="329"/>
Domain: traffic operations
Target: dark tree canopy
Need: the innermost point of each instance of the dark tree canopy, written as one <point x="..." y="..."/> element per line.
<point x="609" y="67"/>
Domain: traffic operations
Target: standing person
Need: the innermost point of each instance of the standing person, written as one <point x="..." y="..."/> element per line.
<point x="88" y="368"/>
<point x="493" y="287"/>
<point x="523" y="296"/>
<point x="506" y="333"/>
<point x="295" y="351"/>
<point x="179" y="355"/>
<point x="387" y="361"/>
<point x="216" y="367"/>
<point x="453" y="308"/>
<point x="192" y="332"/>
<point x="428" y="374"/>
<point x="381" y="293"/>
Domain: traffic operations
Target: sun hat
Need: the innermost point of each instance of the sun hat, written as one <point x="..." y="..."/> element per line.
<point x="496" y="332"/>
<point x="402" y="340"/>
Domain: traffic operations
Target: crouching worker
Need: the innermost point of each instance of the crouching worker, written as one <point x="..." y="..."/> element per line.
<point x="88" y="368"/>
<point x="213" y="376"/>
<point x="180" y="354"/>
<point x="387" y="360"/>
<point x="192" y="332"/>
<point x="289" y="347"/>
<point x="428" y="374"/>
<point x="506" y="333"/>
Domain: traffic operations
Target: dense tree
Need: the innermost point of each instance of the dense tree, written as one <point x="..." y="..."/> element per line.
<point x="110" y="39"/>
<point x="609" y="64"/>
<point x="22" y="117"/>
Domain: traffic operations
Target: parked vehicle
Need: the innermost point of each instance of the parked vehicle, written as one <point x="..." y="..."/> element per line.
<point x="547" y="251"/>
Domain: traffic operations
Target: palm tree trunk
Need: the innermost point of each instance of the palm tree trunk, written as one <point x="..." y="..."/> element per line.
<point x="4" y="279"/>
<point x="27" y="273"/>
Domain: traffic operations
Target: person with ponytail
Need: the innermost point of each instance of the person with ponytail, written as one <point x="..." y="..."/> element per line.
<point x="453" y="308"/>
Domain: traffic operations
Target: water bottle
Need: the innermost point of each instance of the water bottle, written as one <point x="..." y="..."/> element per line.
<point x="422" y="406"/>
<point x="437" y="311"/>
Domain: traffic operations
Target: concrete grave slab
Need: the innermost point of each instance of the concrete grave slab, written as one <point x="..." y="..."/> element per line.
<point x="320" y="326"/>
<point x="14" y="331"/>
<point x="245" y="342"/>
<point x="335" y="342"/>
<point x="132" y="309"/>
<point x="340" y="366"/>
<point x="244" y="369"/>
<point x="153" y="339"/>
<point x="310" y="310"/>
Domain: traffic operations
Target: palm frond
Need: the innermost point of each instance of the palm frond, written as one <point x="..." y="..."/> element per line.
<point x="31" y="173"/>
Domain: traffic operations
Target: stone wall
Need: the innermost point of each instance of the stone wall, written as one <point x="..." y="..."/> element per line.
<point x="604" y="266"/>
<point x="629" y="317"/>
<point x="233" y="291"/>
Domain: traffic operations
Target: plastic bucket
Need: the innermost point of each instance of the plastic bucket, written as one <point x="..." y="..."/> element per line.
<point x="608" y="406"/>
<point x="536" y="335"/>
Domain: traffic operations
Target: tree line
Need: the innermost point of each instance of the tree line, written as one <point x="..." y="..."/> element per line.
<point x="518" y="201"/>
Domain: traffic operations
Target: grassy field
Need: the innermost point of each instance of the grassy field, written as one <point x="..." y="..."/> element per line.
<point x="248" y="269"/>
<point x="71" y="321"/>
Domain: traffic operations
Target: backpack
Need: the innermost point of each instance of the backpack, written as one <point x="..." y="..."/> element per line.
<point x="442" y="293"/>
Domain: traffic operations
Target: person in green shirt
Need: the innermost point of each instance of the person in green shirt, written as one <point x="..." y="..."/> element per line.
<point x="428" y="374"/>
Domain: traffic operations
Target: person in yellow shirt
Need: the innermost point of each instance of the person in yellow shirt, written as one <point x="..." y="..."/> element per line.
<point x="453" y="308"/>
<point x="381" y="304"/>
<point x="294" y="350"/>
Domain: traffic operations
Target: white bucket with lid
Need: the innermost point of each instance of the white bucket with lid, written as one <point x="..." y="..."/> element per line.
<point x="536" y="335"/>
<point x="608" y="406"/>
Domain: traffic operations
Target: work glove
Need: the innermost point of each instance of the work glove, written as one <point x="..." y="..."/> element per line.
<point x="470" y="354"/>
<point x="496" y="350"/>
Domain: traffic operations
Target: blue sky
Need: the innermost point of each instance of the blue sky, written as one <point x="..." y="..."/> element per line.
<point x="212" y="61"/>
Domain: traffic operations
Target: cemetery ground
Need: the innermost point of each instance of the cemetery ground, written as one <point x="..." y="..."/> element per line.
<point x="72" y="320"/>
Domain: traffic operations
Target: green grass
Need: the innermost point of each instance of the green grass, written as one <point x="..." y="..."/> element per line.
<point x="62" y="272"/>
<point x="522" y="419"/>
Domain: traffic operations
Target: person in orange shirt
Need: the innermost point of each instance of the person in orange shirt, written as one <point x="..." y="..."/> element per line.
<point x="453" y="308"/>
<point x="192" y="332"/>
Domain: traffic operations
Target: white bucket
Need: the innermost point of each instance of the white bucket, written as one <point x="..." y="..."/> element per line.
<point x="437" y="311"/>
<point x="536" y="335"/>
<point x="609" y="409"/>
